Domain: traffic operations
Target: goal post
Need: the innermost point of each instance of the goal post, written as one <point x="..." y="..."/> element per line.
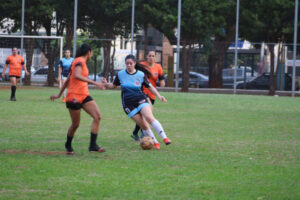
<point x="39" y="52"/>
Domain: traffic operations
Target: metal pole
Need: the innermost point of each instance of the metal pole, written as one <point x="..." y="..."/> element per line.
<point x="178" y="44"/>
<point x="295" y="47"/>
<point x="75" y="28"/>
<point x="132" y="24"/>
<point x="236" y="43"/>
<point x="22" y="26"/>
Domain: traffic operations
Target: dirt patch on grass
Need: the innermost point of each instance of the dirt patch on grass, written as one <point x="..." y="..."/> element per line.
<point x="13" y="151"/>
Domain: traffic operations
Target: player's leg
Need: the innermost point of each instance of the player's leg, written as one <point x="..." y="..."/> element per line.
<point x="63" y="80"/>
<point x="139" y="119"/>
<point x="13" y="82"/>
<point x="147" y="114"/>
<point x="135" y="135"/>
<point x="75" y="118"/>
<point x="93" y="110"/>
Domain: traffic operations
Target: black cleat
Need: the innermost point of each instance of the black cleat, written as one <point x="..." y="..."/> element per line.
<point x="135" y="137"/>
<point x="96" y="148"/>
<point x="69" y="149"/>
<point x="13" y="99"/>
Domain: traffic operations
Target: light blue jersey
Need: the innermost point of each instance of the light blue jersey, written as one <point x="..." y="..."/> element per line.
<point x="133" y="98"/>
<point x="65" y="64"/>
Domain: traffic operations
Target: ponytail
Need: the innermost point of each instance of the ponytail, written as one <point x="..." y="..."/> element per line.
<point x="83" y="50"/>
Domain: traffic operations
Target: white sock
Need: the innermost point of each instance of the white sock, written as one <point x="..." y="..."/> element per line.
<point x="150" y="134"/>
<point x="159" y="129"/>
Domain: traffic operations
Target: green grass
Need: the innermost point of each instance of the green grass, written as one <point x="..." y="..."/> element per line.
<point x="224" y="147"/>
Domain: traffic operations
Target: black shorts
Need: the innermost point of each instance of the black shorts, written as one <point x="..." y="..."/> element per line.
<point x="11" y="76"/>
<point x="76" y="106"/>
<point x="134" y="108"/>
<point x="152" y="100"/>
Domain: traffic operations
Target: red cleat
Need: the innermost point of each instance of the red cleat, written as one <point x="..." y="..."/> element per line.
<point x="167" y="141"/>
<point x="157" y="146"/>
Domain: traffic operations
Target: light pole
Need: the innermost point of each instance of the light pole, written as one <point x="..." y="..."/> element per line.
<point x="178" y="44"/>
<point x="295" y="47"/>
<point x="75" y="27"/>
<point x="132" y="25"/>
<point x="236" y="43"/>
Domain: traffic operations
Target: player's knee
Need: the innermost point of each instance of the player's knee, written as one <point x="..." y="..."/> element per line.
<point x="75" y="125"/>
<point x="97" y="117"/>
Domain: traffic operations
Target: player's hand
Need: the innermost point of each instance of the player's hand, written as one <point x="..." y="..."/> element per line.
<point x="3" y="75"/>
<point x="104" y="80"/>
<point x="53" y="97"/>
<point x="101" y="86"/>
<point x="27" y="73"/>
<point x="163" y="99"/>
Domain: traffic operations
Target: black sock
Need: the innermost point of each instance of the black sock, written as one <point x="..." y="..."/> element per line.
<point x="13" y="91"/>
<point x="69" y="140"/>
<point x="136" y="130"/>
<point x="93" y="139"/>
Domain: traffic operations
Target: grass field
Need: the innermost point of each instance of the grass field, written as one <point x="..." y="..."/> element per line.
<point x="224" y="147"/>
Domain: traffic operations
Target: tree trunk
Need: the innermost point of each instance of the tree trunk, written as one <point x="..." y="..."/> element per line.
<point x="29" y="43"/>
<point x="187" y="57"/>
<point x="69" y="35"/>
<point x="272" y="77"/>
<point x="106" y="49"/>
<point x="216" y="64"/>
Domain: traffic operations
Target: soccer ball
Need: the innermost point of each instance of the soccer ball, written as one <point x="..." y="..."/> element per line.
<point x="147" y="143"/>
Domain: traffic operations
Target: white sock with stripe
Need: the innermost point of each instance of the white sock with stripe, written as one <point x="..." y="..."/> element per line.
<point x="150" y="134"/>
<point x="159" y="129"/>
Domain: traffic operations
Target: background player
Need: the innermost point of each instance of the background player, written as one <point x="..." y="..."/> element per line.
<point x="157" y="73"/>
<point x="63" y="72"/>
<point x="78" y="97"/>
<point x="134" y="100"/>
<point x="15" y="63"/>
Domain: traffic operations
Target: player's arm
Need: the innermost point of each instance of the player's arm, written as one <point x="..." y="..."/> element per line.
<point x="24" y="67"/>
<point x="148" y="85"/>
<point x="65" y="85"/>
<point x="78" y="75"/>
<point x="112" y="85"/>
<point x="161" y="78"/>
<point x="4" y="69"/>
<point x="59" y="70"/>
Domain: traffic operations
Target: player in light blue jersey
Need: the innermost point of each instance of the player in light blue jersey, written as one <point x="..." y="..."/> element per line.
<point x="63" y="72"/>
<point x="134" y="100"/>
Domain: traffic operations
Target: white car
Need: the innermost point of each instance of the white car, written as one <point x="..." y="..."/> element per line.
<point x="40" y="75"/>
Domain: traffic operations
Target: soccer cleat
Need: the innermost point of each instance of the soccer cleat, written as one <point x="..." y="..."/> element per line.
<point x="69" y="149"/>
<point x="13" y="99"/>
<point x="96" y="148"/>
<point x="135" y="137"/>
<point x="157" y="146"/>
<point x="167" y="141"/>
<point x="64" y="100"/>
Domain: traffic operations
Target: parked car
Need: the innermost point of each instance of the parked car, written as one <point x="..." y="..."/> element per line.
<point x="6" y="73"/>
<point x="40" y="75"/>
<point x="100" y="75"/>
<point x="242" y="74"/>
<point x="196" y="80"/>
<point x="263" y="83"/>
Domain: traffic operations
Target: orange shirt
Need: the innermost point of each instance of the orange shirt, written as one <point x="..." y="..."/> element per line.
<point x="157" y="72"/>
<point x="14" y="63"/>
<point x="78" y="90"/>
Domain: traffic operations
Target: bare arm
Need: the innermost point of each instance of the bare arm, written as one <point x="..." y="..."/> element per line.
<point x="77" y="75"/>
<point x="156" y="93"/>
<point x="65" y="85"/>
<point x="3" y="72"/>
<point x="108" y="85"/>
<point x="24" y="67"/>
<point x="59" y="73"/>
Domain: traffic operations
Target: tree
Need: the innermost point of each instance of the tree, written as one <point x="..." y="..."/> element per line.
<point x="271" y="22"/>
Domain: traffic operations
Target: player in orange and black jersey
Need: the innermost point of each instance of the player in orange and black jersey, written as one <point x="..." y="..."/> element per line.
<point x="157" y="74"/>
<point x="15" y="63"/>
<point x="78" y="97"/>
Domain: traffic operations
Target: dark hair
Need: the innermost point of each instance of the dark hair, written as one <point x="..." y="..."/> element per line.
<point x="139" y="66"/>
<point x="149" y="50"/>
<point x="14" y="48"/>
<point x="67" y="50"/>
<point x="83" y="50"/>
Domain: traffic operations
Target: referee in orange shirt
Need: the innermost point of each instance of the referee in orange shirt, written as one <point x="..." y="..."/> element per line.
<point x="15" y="63"/>
<point x="157" y="73"/>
